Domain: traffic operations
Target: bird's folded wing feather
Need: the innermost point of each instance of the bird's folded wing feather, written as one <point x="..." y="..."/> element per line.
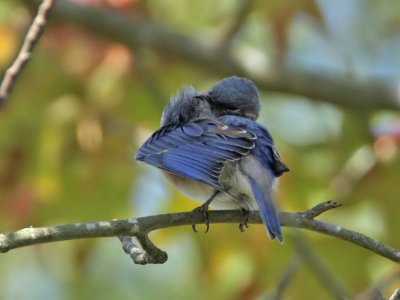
<point x="197" y="150"/>
<point x="265" y="148"/>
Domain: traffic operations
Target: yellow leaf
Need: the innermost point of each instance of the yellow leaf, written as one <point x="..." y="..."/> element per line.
<point x="8" y="45"/>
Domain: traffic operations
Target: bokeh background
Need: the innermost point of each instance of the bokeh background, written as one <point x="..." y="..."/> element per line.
<point x="94" y="90"/>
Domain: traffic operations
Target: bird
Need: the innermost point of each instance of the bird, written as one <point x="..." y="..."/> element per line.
<point x="212" y="149"/>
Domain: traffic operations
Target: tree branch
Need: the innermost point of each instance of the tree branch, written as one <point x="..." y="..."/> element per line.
<point x="137" y="32"/>
<point x="395" y="295"/>
<point x="34" y="33"/>
<point x="141" y="227"/>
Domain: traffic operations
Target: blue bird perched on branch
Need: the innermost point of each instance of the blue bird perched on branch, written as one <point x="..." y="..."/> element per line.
<point x="211" y="148"/>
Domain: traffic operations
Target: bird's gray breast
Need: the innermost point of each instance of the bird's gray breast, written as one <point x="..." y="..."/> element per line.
<point x="238" y="193"/>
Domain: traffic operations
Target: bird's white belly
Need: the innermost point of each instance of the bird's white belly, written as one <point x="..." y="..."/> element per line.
<point x="240" y="189"/>
<point x="192" y="189"/>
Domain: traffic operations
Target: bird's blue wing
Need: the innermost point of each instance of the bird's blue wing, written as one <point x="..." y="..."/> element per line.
<point x="196" y="150"/>
<point x="264" y="149"/>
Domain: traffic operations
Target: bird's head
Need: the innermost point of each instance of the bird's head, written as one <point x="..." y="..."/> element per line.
<point x="234" y="96"/>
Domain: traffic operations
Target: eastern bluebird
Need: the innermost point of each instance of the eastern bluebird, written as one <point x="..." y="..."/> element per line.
<point x="211" y="148"/>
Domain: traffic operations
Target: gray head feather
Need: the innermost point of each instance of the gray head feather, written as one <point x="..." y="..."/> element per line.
<point x="235" y="95"/>
<point x="184" y="107"/>
<point x="230" y="96"/>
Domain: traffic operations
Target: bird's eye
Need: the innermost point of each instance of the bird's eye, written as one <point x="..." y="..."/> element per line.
<point x="232" y="108"/>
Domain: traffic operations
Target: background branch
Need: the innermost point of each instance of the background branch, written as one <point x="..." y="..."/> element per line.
<point x="31" y="38"/>
<point x="138" y="32"/>
<point x="317" y="265"/>
<point x="140" y="227"/>
<point x="243" y="10"/>
<point x="382" y="285"/>
<point x="287" y="277"/>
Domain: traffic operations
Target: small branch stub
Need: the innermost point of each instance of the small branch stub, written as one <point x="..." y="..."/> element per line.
<point x="153" y="255"/>
<point x="321" y="208"/>
<point x="4" y="244"/>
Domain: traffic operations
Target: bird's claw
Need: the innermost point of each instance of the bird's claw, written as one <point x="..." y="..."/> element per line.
<point x="204" y="210"/>
<point x="243" y="225"/>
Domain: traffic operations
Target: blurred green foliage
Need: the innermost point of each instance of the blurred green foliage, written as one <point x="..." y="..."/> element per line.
<point x="83" y="106"/>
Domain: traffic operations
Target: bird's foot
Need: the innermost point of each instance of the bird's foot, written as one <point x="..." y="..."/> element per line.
<point x="204" y="209"/>
<point x="243" y="225"/>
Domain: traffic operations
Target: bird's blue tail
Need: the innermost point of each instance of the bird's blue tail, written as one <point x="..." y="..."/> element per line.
<point x="263" y="196"/>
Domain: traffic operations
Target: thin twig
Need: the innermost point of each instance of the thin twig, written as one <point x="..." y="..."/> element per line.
<point x="395" y="295"/>
<point x="321" y="208"/>
<point x="144" y="225"/>
<point x="31" y="38"/>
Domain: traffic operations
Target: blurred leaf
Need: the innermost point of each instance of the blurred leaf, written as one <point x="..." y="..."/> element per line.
<point x="8" y="42"/>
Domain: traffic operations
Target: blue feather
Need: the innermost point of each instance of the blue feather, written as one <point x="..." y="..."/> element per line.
<point x="197" y="150"/>
<point x="268" y="213"/>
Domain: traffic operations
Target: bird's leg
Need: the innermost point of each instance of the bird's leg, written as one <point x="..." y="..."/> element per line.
<point x="204" y="209"/>
<point x="243" y="225"/>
